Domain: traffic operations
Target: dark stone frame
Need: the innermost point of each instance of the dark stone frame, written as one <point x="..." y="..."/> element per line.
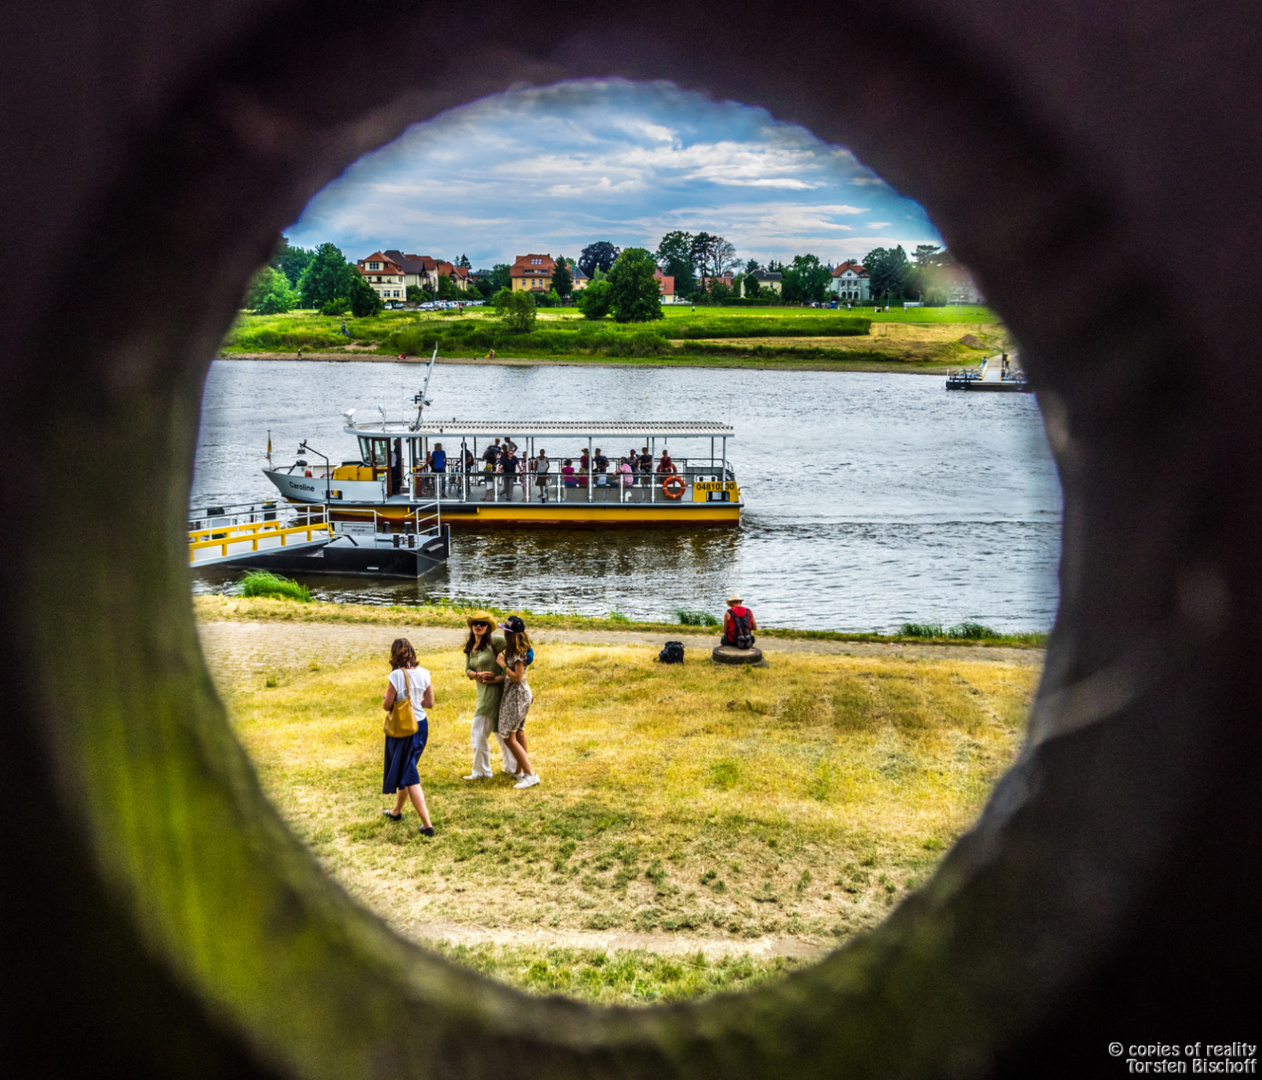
<point x="170" y="925"/>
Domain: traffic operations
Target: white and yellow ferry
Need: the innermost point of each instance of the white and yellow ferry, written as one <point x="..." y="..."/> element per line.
<point x="392" y="476"/>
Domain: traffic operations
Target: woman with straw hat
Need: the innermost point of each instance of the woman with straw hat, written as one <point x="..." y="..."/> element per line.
<point x="480" y="650"/>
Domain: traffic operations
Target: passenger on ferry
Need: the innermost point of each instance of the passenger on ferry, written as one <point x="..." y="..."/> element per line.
<point x="628" y="473"/>
<point x="584" y="464"/>
<point x="540" y="467"/>
<point x="567" y="471"/>
<point x="490" y="464"/>
<point x="602" y="468"/>
<point x="644" y="466"/>
<point x="665" y="467"/>
<point x="738" y="624"/>
<point x="509" y="466"/>
<point x="438" y="464"/>
<point x="469" y="460"/>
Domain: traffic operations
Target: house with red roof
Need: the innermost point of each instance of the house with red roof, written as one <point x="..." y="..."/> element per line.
<point x="422" y="271"/>
<point x="384" y="274"/>
<point x="666" y="283"/>
<point x="532" y="273"/>
<point x="850" y="282"/>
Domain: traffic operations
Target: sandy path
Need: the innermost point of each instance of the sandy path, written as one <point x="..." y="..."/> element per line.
<point x="235" y="648"/>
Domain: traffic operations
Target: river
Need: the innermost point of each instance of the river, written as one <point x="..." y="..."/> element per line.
<point x="871" y="499"/>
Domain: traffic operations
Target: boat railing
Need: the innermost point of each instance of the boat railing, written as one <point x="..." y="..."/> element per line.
<point x="229" y="528"/>
<point x="706" y="482"/>
<point x="418" y="523"/>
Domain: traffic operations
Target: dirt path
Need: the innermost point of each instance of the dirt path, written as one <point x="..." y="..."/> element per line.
<point x="614" y="940"/>
<point x="235" y="648"/>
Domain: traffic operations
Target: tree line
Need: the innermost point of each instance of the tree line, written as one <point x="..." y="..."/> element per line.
<point x="621" y="282"/>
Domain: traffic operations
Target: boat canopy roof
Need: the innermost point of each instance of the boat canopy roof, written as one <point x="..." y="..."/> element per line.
<point x="489" y="429"/>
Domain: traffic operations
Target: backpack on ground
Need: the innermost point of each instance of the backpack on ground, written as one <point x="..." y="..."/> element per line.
<point x="673" y="653"/>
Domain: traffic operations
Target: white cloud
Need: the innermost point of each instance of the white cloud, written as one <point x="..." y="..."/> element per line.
<point x="555" y="168"/>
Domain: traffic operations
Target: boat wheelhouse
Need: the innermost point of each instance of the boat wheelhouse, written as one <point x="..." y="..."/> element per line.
<point x="394" y="473"/>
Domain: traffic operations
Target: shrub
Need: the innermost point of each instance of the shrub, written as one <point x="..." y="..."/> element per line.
<point x="335" y="307"/>
<point x="695" y="618"/>
<point x="594" y="300"/>
<point x="265" y="583"/>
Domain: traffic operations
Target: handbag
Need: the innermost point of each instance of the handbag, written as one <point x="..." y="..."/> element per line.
<point x="401" y="720"/>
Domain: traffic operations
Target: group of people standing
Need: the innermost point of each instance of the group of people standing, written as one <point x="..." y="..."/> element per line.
<point x="496" y="661"/>
<point x="500" y="459"/>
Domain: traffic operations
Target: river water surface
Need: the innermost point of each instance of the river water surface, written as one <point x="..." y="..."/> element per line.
<point x="871" y="499"/>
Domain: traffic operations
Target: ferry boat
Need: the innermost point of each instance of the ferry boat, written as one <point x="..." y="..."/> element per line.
<point x="996" y="374"/>
<point x="391" y="476"/>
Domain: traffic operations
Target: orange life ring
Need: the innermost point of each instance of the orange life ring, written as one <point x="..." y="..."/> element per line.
<point x="674" y="486"/>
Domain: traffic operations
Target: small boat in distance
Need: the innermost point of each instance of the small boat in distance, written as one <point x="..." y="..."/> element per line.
<point x="394" y="473"/>
<point x="999" y="373"/>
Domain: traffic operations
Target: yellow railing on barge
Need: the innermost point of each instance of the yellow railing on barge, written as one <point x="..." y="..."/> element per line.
<point x="222" y="536"/>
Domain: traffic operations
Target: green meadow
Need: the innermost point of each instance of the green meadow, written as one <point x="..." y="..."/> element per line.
<point x="919" y="339"/>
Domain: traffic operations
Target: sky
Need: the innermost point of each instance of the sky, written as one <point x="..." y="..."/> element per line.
<point x="550" y="170"/>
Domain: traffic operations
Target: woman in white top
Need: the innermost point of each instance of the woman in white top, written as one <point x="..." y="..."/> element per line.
<point x="400" y="777"/>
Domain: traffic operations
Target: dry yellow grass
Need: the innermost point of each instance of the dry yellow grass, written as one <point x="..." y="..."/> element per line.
<point x="803" y="799"/>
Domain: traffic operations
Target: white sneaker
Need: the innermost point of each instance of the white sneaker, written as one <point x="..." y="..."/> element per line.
<point x="529" y="780"/>
<point x="477" y="776"/>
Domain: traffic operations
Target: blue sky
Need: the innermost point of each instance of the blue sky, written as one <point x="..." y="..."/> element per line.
<point x="554" y="169"/>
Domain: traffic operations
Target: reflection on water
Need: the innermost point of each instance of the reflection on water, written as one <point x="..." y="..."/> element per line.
<point x="872" y="499"/>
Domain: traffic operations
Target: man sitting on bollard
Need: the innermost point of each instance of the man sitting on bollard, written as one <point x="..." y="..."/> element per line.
<point x="738" y="624"/>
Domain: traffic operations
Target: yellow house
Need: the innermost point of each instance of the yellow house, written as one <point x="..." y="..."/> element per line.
<point x="532" y="273"/>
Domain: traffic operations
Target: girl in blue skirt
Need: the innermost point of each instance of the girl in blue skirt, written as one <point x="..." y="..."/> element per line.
<point x="400" y="778"/>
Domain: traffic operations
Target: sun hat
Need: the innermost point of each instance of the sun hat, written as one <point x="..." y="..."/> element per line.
<point x="514" y="623"/>
<point x="482" y="617"/>
<point x="735" y="599"/>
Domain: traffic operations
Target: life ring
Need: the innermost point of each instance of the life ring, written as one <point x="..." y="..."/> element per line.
<point x="674" y="486"/>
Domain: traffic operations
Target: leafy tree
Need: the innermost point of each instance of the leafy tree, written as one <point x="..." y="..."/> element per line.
<point x="594" y="301"/>
<point x="712" y="255"/>
<point x="269" y="293"/>
<point x="600" y="254"/>
<point x="550" y="299"/>
<point x="751" y="265"/>
<point x="415" y="294"/>
<point x="805" y="280"/>
<point x="363" y="298"/>
<point x="448" y="289"/>
<point x="335" y="307"/>
<point x="927" y="255"/>
<point x="752" y="288"/>
<point x="674" y="256"/>
<point x="290" y="261"/>
<point x="634" y="293"/>
<point x="517" y="308"/>
<point x="718" y="290"/>
<point x="501" y="278"/>
<point x="326" y="277"/>
<point x="485" y="287"/>
<point x="887" y="271"/>
<point x="464" y="263"/>
<point x="562" y="279"/>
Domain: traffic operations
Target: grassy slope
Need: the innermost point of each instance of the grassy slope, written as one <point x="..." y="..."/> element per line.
<point x="783" y="337"/>
<point x="255" y="609"/>
<point x="724" y="804"/>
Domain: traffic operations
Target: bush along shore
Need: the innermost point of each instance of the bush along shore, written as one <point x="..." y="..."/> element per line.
<point x="713" y="336"/>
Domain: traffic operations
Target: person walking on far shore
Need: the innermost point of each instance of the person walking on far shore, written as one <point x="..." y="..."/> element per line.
<point x="481" y="649"/>
<point x="409" y="692"/>
<point x="517" y="696"/>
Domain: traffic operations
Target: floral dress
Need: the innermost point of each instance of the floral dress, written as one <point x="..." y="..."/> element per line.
<point x="516" y="700"/>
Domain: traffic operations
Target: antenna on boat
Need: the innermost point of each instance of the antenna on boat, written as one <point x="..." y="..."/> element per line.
<point x="420" y="399"/>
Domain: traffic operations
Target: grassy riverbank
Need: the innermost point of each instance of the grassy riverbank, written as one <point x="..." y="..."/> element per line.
<point x="440" y="614"/>
<point x="698" y="828"/>
<point x="918" y="339"/>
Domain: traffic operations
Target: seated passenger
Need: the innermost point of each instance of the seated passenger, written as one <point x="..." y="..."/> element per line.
<point x="567" y="471"/>
<point x="665" y="466"/>
<point x="602" y="467"/>
<point x="738" y="624"/>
